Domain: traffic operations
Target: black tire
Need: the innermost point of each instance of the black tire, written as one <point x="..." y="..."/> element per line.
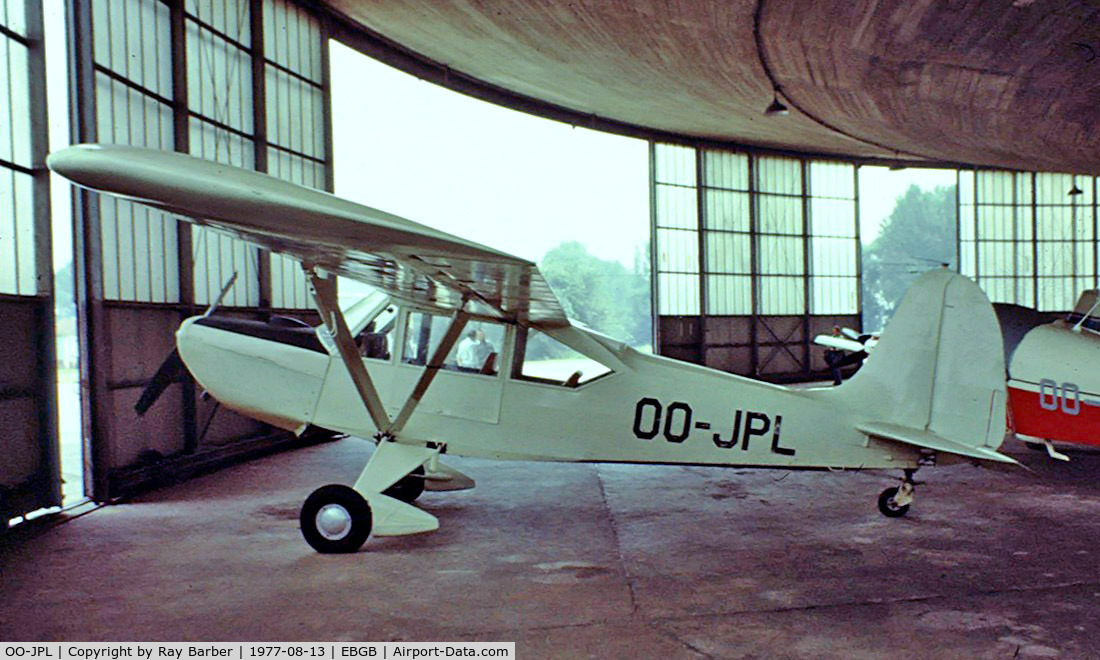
<point x="342" y="500"/>
<point x="886" y="504"/>
<point x="409" y="487"/>
<point x="1035" y="446"/>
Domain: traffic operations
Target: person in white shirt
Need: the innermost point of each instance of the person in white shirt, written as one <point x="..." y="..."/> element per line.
<point x="467" y="351"/>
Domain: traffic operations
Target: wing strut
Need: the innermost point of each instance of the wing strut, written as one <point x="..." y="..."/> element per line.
<point x="391" y="461"/>
<point x="454" y="330"/>
<point x="324" y="295"/>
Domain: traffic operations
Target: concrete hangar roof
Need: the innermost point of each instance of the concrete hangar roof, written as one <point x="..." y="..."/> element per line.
<point x="1003" y="83"/>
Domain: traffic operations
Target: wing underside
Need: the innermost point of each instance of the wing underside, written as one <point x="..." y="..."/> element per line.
<point x="412" y="262"/>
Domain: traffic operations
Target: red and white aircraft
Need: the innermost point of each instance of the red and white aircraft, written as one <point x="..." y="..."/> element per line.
<point x="1053" y="379"/>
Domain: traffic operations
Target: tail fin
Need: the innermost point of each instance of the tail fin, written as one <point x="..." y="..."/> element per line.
<point x="938" y="371"/>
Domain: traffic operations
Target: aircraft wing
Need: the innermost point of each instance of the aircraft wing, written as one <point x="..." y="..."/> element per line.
<point x="411" y="261"/>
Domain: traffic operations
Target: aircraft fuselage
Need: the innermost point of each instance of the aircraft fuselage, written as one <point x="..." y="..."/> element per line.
<point x="648" y="409"/>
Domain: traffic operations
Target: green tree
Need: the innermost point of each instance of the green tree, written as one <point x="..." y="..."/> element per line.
<point x="918" y="235"/>
<point x="603" y="295"/>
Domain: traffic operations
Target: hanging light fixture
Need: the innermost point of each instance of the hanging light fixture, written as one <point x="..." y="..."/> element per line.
<point x="777" y="108"/>
<point x="1074" y="191"/>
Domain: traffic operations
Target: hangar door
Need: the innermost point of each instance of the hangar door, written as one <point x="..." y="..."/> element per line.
<point x="241" y="82"/>
<point x="29" y="471"/>
<point x="753" y="255"/>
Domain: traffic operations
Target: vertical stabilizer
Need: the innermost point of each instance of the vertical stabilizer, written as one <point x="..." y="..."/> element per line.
<point x="939" y="366"/>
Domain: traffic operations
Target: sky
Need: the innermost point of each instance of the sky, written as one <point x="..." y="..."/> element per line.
<point x="509" y="180"/>
<point x="57" y="102"/>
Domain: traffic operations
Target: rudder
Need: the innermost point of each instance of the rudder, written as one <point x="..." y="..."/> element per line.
<point x="939" y="366"/>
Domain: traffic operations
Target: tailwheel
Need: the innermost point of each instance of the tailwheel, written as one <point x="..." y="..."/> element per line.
<point x="335" y="518"/>
<point x="888" y="505"/>
<point x="408" y="487"/>
<point x="894" y="501"/>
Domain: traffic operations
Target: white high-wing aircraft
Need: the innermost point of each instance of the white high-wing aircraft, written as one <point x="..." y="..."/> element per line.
<point x="527" y="383"/>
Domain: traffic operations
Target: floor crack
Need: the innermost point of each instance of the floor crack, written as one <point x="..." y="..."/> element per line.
<point x="624" y="570"/>
<point x="676" y="638"/>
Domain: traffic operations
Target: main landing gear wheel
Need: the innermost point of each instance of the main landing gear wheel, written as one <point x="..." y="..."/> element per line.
<point x="409" y="487"/>
<point x="335" y="518"/>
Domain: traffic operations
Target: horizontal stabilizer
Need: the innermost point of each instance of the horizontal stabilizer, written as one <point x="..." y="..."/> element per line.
<point x="393" y="517"/>
<point x="444" y="477"/>
<point x="929" y="440"/>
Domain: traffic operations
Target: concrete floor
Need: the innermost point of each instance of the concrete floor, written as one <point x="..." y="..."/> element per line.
<point x="592" y="561"/>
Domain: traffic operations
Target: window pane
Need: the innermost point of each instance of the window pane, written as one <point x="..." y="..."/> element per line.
<point x="779" y="175"/>
<point x="728" y="170"/>
<point x="674" y="164"/>
<point x="726" y="210"/>
<point x="781" y="255"/>
<point x="677" y="294"/>
<point x="832" y="217"/>
<point x="780" y="215"/>
<point x="548" y="360"/>
<point x="729" y="295"/>
<point x="677" y="251"/>
<point x="479" y="349"/>
<point x="782" y="295"/>
<point x="728" y="253"/>
<point x="376" y="339"/>
<point x="834" y="295"/>
<point x="476" y="352"/>
<point x="833" y="256"/>
<point x="676" y="208"/>
<point x="832" y="179"/>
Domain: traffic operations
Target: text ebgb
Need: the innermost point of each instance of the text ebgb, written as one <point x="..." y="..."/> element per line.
<point x="317" y="651"/>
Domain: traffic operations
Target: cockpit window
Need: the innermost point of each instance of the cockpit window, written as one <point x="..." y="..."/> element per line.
<point x="543" y="359"/>
<point x="476" y="351"/>
<point x="376" y="339"/>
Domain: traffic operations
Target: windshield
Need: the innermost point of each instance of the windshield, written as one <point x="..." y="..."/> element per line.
<point x="363" y="310"/>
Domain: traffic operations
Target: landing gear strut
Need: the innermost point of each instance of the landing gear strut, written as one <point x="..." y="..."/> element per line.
<point x="894" y="501"/>
<point x="409" y="487"/>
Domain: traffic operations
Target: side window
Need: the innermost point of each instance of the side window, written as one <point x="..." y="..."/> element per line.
<point x="543" y="359"/>
<point x="476" y="351"/>
<point x="376" y="339"/>
<point x="418" y="334"/>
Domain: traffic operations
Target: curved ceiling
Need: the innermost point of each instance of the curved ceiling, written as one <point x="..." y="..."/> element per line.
<point x="986" y="82"/>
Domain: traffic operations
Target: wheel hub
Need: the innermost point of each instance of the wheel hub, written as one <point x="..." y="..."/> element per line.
<point x="333" y="522"/>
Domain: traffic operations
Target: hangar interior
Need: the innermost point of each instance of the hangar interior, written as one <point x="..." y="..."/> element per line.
<point x="754" y="251"/>
<point x="754" y="217"/>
